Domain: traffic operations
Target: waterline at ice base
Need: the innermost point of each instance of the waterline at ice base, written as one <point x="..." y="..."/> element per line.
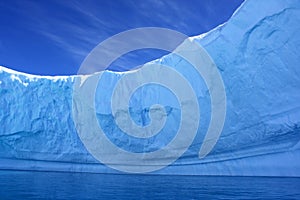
<point x="257" y="57"/>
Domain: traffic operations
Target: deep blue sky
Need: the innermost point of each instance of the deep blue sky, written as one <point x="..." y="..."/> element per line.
<point x="52" y="37"/>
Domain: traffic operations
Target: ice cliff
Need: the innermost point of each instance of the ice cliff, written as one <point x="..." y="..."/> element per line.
<point x="257" y="54"/>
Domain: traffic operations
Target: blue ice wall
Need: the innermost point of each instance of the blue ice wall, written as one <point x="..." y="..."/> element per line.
<point x="257" y="54"/>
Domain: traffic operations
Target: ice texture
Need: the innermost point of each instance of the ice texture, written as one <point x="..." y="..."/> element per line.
<point x="257" y="54"/>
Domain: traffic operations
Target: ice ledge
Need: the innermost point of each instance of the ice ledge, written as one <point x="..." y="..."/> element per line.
<point x="256" y="52"/>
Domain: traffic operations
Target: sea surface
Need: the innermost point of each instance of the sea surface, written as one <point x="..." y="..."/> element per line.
<point x="54" y="185"/>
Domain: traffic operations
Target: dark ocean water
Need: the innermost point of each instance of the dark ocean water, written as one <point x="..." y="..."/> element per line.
<point x="52" y="185"/>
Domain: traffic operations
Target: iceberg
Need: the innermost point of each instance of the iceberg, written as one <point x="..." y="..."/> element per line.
<point x="256" y="54"/>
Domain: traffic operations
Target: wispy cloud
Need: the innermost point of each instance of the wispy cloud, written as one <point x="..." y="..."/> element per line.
<point x="63" y="30"/>
<point x="78" y="26"/>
